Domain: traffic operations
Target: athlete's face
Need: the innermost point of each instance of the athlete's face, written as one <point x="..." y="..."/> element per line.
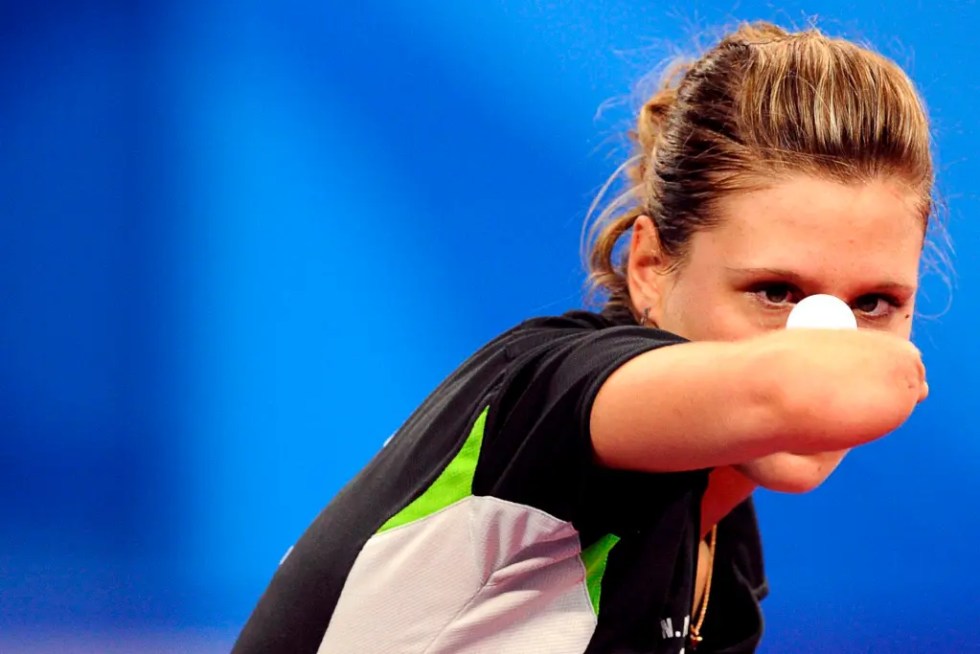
<point x="775" y="246"/>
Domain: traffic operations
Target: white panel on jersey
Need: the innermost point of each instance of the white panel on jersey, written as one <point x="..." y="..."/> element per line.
<point x="481" y="576"/>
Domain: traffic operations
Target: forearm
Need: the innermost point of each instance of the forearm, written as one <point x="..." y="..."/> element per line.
<point x="712" y="404"/>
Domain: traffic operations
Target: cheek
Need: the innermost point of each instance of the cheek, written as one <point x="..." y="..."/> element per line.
<point x="742" y="322"/>
<point x="702" y="312"/>
<point x="902" y="325"/>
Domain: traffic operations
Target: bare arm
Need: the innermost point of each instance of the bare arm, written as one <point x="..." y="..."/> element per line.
<point x="710" y="404"/>
<point x="685" y="407"/>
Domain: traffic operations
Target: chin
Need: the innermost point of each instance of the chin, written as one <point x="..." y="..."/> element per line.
<point x="795" y="485"/>
<point x="785" y="472"/>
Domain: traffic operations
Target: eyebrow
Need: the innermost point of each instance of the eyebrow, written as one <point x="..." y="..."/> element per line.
<point x="795" y="278"/>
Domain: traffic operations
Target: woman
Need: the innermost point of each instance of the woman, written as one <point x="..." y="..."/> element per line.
<point x="583" y="482"/>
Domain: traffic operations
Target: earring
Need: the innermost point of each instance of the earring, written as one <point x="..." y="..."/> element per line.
<point x="646" y="317"/>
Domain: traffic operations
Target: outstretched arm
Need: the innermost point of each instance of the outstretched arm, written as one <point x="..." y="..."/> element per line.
<point x="711" y="404"/>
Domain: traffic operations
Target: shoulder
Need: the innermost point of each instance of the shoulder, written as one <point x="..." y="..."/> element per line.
<point x="580" y="327"/>
<point x="575" y="320"/>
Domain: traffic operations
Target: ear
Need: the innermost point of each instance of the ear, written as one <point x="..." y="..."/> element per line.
<point x="646" y="271"/>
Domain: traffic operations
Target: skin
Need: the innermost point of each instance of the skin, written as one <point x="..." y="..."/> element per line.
<point x="797" y="237"/>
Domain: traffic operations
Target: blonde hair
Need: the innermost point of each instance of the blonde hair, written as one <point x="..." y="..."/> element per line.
<point x="760" y="104"/>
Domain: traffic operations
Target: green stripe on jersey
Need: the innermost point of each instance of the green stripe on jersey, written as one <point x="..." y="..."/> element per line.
<point x="455" y="482"/>
<point x="594" y="557"/>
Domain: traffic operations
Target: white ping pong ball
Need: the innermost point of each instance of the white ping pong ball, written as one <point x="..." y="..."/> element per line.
<point x="821" y="312"/>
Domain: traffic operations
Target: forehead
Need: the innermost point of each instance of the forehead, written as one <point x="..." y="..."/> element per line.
<point x="812" y="225"/>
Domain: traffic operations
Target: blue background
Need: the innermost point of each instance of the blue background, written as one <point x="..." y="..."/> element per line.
<point x="240" y="241"/>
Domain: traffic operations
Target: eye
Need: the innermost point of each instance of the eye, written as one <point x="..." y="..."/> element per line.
<point x="875" y="305"/>
<point x="776" y="294"/>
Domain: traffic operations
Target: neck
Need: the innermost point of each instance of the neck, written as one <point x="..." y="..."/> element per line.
<point x="727" y="488"/>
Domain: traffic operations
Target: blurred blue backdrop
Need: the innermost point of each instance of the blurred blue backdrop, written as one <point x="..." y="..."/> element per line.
<point x="241" y="241"/>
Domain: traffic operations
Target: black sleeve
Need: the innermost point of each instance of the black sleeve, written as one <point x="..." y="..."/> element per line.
<point x="537" y="446"/>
